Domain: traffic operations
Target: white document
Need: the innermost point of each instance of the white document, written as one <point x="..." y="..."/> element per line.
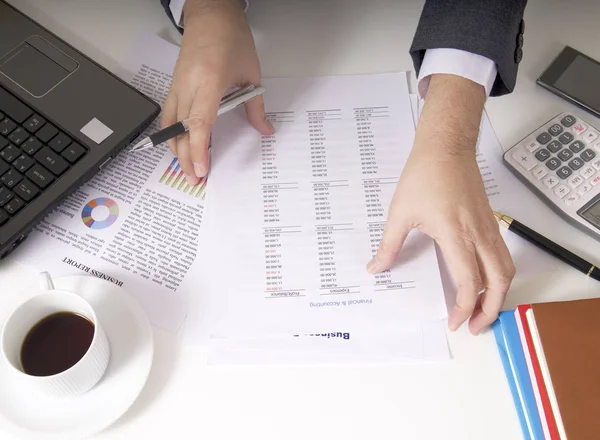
<point x="426" y="342"/>
<point x="137" y="222"/>
<point x="301" y="213"/>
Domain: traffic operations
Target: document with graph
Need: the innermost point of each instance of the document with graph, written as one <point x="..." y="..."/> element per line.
<point x="137" y="223"/>
<point x="302" y="212"/>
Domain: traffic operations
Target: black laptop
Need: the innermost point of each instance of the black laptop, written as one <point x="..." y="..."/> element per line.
<point x="62" y="118"/>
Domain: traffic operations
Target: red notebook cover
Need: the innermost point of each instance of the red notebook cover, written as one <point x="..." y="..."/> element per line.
<point x="536" y="374"/>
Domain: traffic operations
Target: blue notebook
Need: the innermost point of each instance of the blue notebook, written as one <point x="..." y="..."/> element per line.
<point x="515" y="367"/>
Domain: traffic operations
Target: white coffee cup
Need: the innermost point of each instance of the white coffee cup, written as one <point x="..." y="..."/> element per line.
<point x="82" y="376"/>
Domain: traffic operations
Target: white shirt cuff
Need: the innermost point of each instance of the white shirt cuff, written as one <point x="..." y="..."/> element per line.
<point x="475" y="67"/>
<point x="176" y="7"/>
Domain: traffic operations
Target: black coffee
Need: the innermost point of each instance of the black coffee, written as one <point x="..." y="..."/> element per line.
<point x="56" y="343"/>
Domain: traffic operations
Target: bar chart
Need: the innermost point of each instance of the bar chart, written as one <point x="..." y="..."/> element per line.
<point x="174" y="177"/>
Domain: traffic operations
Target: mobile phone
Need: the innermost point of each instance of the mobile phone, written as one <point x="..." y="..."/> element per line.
<point x="575" y="77"/>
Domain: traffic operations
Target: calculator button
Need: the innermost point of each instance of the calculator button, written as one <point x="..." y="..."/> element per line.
<point x="575" y="180"/>
<point x="590" y="136"/>
<point x="523" y="158"/>
<point x="587" y="172"/>
<point x="553" y="163"/>
<point x="555" y="130"/>
<point x="564" y="172"/>
<point x="543" y="138"/>
<point x="596" y="163"/>
<point x="571" y="199"/>
<point x="531" y="146"/>
<point x="542" y="155"/>
<point x="577" y="146"/>
<point x="576" y="163"/>
<point x="596" y="180"/>
<point x="566" y="137"/>
<point x="554" y="146"/>
<point x="568" y="120"/>
<point x="565" y="154"/>
<point x="585" y="188"/>
<point x="550" y="181"/>
<point x="562" y="190"/>
<point x="588" y="155"/>
<point x="579" y="128"/>
<point x="540" y="172"/>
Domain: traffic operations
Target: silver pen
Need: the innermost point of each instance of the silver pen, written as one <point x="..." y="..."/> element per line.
<point x="229" y="102"/>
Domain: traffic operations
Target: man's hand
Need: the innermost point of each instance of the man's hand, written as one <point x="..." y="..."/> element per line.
<point x="217" y="52"/>
<point x="441" y="193"/>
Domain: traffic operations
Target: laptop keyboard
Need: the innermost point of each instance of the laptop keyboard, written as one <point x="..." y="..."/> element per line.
<point x="33" y="154"/>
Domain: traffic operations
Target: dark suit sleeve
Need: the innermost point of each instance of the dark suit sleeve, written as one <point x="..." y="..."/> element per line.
<point x="491" y="28"/>
<point x="165" y="4"/>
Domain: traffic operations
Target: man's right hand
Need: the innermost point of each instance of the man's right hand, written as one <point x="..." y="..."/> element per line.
<point x="217" y="53"/>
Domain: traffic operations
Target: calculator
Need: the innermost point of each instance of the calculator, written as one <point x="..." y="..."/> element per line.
<point x="560" y="161"/>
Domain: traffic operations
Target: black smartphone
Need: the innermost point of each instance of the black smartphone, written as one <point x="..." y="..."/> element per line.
<point x="574" y="77"/>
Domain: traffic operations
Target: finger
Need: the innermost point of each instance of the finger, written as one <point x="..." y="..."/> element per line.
<point x="498" y="271"/>
<point x="394" y="236"/>
<point x="183" y="142"/>
<point x="255" y="112"/>
<point x="463" y="265"/>
<point x="202" y="115"/>
<point x="169" y="117"/>
<point x="183" y="154"/>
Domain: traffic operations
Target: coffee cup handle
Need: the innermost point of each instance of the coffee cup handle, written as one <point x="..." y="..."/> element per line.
<point x="45" y="281"/>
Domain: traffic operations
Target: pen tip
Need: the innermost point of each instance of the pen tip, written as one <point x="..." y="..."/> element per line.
<point x="503" y="219"/>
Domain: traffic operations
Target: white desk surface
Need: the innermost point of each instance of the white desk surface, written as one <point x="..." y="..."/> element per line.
<point x="467" y="398"/>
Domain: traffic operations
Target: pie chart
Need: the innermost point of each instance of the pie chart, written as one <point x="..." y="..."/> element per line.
<point x="100" y="213"/>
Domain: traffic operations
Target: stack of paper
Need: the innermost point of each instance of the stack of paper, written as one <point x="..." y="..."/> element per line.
<point x="551" y="357"/>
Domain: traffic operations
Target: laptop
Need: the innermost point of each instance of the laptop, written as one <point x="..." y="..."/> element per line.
<point x="63" y="117"/>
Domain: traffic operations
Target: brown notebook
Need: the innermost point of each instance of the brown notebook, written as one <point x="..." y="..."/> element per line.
<point x="570" y="336"/>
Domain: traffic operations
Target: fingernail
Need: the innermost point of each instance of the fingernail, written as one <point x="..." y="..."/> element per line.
<point x="192" y="180"/>
<point x="270" y="126"/>
<point x="373" y="266"/>
<point x="199" y="170"/>
<point x="453" y="324"/>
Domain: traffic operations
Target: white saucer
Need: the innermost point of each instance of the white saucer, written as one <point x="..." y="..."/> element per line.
<point x="33" y="416"/>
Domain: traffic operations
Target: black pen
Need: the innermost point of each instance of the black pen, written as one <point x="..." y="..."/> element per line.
<point x="549" y="246"/>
